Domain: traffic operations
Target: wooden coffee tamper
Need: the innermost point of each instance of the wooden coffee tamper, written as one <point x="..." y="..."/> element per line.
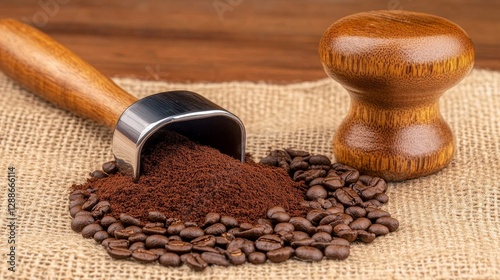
<point x="395" y="65"/>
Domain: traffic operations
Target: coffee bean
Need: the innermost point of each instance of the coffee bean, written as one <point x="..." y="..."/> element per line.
<point x="236" y="257"/>
<point x="77" y="194"/>
<point x="350" y="176"/>
<point x="137" y="245"/>
<point x="322" y="237"/>
<point x="308" y="253"/>
<point x="325" y="228"/>
<point x="74" y="210"/>
<point x="158" y="251"/>
<point x="118" y="243"/>
<point x="391" y="223"/>
<point x="378" y="229"/>
<point x="280" y="217"/>
<point x="156" y="241"/>
<point x="211" y="218"/>
<point x="257" y="258"/>
<point x="269" y="242"/>
<point x="106" y="241"/>
<point x="215" y="229"/>
<point x="215" y="258"/>
<point x="299" y="164"/>
<point x="114" y="227"/>
<point x="202" y="249"/>
<point x="229" y="221"/>
<point x="175" y="228"/>
<point x="319" y="160"/>
<point x="302" y="242"/>
<point x="309" y="175"/>
<point x="355" y="211"/>
<point x="100" y="236"/>
<point x="297" y="153"/>
<point x="284" y="227"/>
<point x="299" y="235"/>
<point x="247" y="247"/>
<point x="179" y="247"/>
<point x="341" y="167"/>
<point x="337" y="252"/>
<point x="98" y="174"/>
<point x="349" y="235"/>
<point x="191" y="233"/>
<point x="377" y="213"/>
<point x="338" y="208"/>
<point x="83" y="213"/>
<point x="224" y="239"/>
<point x="90" y="230"/>
<point x="316" y="192"/>
<point x="381" y="197"/>
<point x="348" y="197"/>
<point x="371" y="203"/>
<point x="155" y="216"/>
<point x="170" y="260"/>
<point x="138" y="237"/>
<point x="110" y="167"/>
<point x="119" y="253"/>
<point x="175" y="237"/>
<point x="333" y="219"/>
<point x="316" y="215"/>
<point x="235" y="244"/>
<point x="144" y="256"/>
<point x="128" y="220"/>
<point x="100" y="209"/>
<point x="90" y="203"/>
<point x="195" y="262"/>
<point x="81" y="221"/>
<point x="154" y="230"/>
<point x="301" y="224"/>
<point x="361" y="223"/>
<point x="107" y="221"/>
<point x="125" y="233"/>
<point x="340" y="227"/>
<point x="333" y="182"/>
<point x="204" y="240"/>
<point x="280" y="255"/>
<point x="365" y="236"/>
<point x="252" y="233"/>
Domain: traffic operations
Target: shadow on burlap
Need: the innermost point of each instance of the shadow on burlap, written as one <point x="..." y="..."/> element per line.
<point x="449" y="222"/>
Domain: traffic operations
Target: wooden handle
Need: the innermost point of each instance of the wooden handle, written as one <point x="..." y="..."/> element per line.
<point x="53" y="72"/>
<point x="395" y="65"/>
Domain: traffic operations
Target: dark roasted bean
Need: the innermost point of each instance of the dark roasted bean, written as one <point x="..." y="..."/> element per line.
<point x="269" y="242"/>
<point x="319" y="160"/>
<point x="211" y="218"/>
<point x="128" y="220"/>
<point x="156" y="216"/>
<point x="378" y="229"/>
<point x="90" y="230"/>
<point x="365" y="236"/>
<point x="337" y="252"/>
<point x="310" y="175"/>
<point x="247" y="247"/>
<point x="195" y="262"/>
<point x="299" y="235"/>
<point x="119" y="253"/>
<point x="297" y="153"/>
<point x="137" y="245"/>
<point x="325" y="228"/>
<point x="280" y="255"/>
<point x="257" y="258"/>
<point x="156" y="241"/>
<point x="215" y="258"/>
<point x="118" y="243"/>
<point x="125" y="233"/>
<point x="175" y="228"/>
<point x="144" y="256"/>
<point x="316" y="192"/>
<point x="377" y="213"/>
<point x="204" y="240"/>
<point x="98" y="174"/>
<point x="348" y="197"/>
<point x="371" y="203"/>
<point x="235" y="244"/>
<point x="350" y="176"/>
<point x="174" y="237"/>
<point x="81" y="221"/>
<point x="110" y="167"/>
<point x="100" y="236"/>
<point x="284" y="227"/>
<point x="308" y="253"/>
<point x="280" y="217"/>
<point x="252" y="233"/>
<point x="269" y="160"/>
<point x="316" y="215"/>
<point x="154" y="230"/>
<point x="360" y="223"/>
<point x="356" y="211"/>
<point x="178" y="246"/>
<point x="391" y="223"/>
<point x="229" y="221"/>
<point x="105" y="242"/>
<point x="333" y="182"/>
<point x="201" y="249"/>
<point x="322" y="237"/>
<point x="138" y="237"/>
<point x="299" y="164"/>
<point x="301" y="224"/>
<point x="158" y="251"/>
<point x="215" y="229"/>
<point x="236" y="257"/>
<point x="302" y="242"/>
<point x="106" y="221"/>
<point x="74" y="210"/>
<point x="100" y="209"/>
<point x="90" y="203"/>
<point x="349" y="235"/>
<point x="170" y="260"/>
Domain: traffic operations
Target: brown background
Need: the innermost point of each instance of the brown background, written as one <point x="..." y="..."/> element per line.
<point x="255" y="40"/>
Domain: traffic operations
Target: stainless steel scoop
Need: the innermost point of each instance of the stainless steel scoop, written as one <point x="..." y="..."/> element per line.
<point x="51" y="71"/>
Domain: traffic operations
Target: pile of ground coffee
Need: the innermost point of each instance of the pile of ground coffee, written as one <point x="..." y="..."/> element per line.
<point x="186" y="180"/>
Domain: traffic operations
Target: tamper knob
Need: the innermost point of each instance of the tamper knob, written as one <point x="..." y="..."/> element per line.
<point x="395" y="65"/>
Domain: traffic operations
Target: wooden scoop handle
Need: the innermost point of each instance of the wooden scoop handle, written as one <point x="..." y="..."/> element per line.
<point x="53" y="72"/>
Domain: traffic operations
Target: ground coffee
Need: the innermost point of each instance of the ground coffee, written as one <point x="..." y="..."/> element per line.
<point x="186" y="181"/>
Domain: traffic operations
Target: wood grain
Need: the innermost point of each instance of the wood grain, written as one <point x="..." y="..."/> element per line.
<point x="53" y="72"/>
<point x="395" y="66"/>
<point x="255" y="40"/>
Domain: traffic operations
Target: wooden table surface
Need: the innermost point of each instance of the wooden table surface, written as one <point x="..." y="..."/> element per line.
<point x="225" y="40"/>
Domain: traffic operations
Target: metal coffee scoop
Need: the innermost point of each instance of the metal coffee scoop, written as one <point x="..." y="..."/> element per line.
<point x="51" y="71"/>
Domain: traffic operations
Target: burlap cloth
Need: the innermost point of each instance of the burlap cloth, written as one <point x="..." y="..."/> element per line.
<point x="449" y="222"/>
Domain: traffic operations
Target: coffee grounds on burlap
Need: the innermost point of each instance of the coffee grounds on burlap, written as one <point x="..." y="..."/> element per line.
<point x="186" y="181"/>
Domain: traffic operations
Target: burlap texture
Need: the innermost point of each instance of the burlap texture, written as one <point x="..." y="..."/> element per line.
<point x="449" y="222"/>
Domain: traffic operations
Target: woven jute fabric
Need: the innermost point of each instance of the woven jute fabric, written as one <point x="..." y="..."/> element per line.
<point x="449" y="221"/>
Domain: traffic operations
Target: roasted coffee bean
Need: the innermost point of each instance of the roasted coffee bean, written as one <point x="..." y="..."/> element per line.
<point x="269" y="242"/>
<point x="299" y="235"/>
<point x="322" y="237"/>
<point x="284" y="227"/>
<point x="195" y="262"/>
<point x="341" y="167"/>
<point x="317" y="181"/>
<point x="280" y="255"/>
<point x="280" y="217"/>
<point x="204" y="240"/>
<point x="360" y="223"/>
<point x="83" y="213"/>
<point x="297" y="153"/>
<point x="377" y="213"/>
<point x="100" y="209"/>
<point x="158" y="251"/>
<point x="316" y="192"/>
<point x="151" y="224"/>
<point x="236" y="257"/>
<point x="175" y="237"/>
<point x="311" y="204"/>
<point x="118" y="243"/>
<point x="144" y="256"/>
<point x="98" y="174"/>
<point x="125" y="233"/>
<point x="224" y="239"/>
<point x="269" y="160"/>
<point x="81" y="221"/>
<point x="302" y="242"/>
<point x="248" y="247"/>
<point x="128" y="220"/>
<point x="325" y="228"/>
<point x="191" y="224"/>
<point x="378" y="229"/>
<point x="298" y="163"/>
<point x="80" y="200"/>
<point x="119" y="253"/>
<point x="349" y="235"/>
<point x="337" y="252"/>
<point x="114" y="227"/>
<point x="100" y="236"/>
<point x="110" y="167"/>
<point x="319" y="160"/>
<point x="371" y="203"/>
<point x="348" y="197"/>
<point x="202" y="249"/>
<point x="138" y="237"/>
<point x="326" y="203"/>
<point x="333" y="182"/>
<point x="234" y="230"/>
<point x="106" y="221"/>
<point x="340" y="227"/>
<point x="175" y="228"/>
<point x="308" y="253"/>
<point x="350" y="176"/>
<point x="235" y="244"/>
<point x="211" y="218"/>
<point x="391" y="223"/>
<point x="333" y="219"/>
<point x="284" y="165"/>
<point x="154" y="230"/>
<point x="257" y="258"/>
<point x="252" y="233"/>
<point x="156" y="241"/>
<point x="246" y="226"/>
<point x="355" y="211"/>
<point x="156" y="216"/>
<point x="170" y="260"/>
<point x="90" y="203"/>
<point x="365" y="236"/>
<point x="74" y="210"/>
<point x="215" y="229"/>
<point x="90" y="230"/>
<point x="316" y="215"/>
<point x="229" y="221"/>
<point x="310" y="175"/>
<point x="301" y="224"/>
<point x="77" y="195"/>
<point x="137" y="245"/>
<point x="179" y="247"/>
<point x="215" y="258"/>
<point x="337" y="208"/>
<point x="105" y="242"/>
